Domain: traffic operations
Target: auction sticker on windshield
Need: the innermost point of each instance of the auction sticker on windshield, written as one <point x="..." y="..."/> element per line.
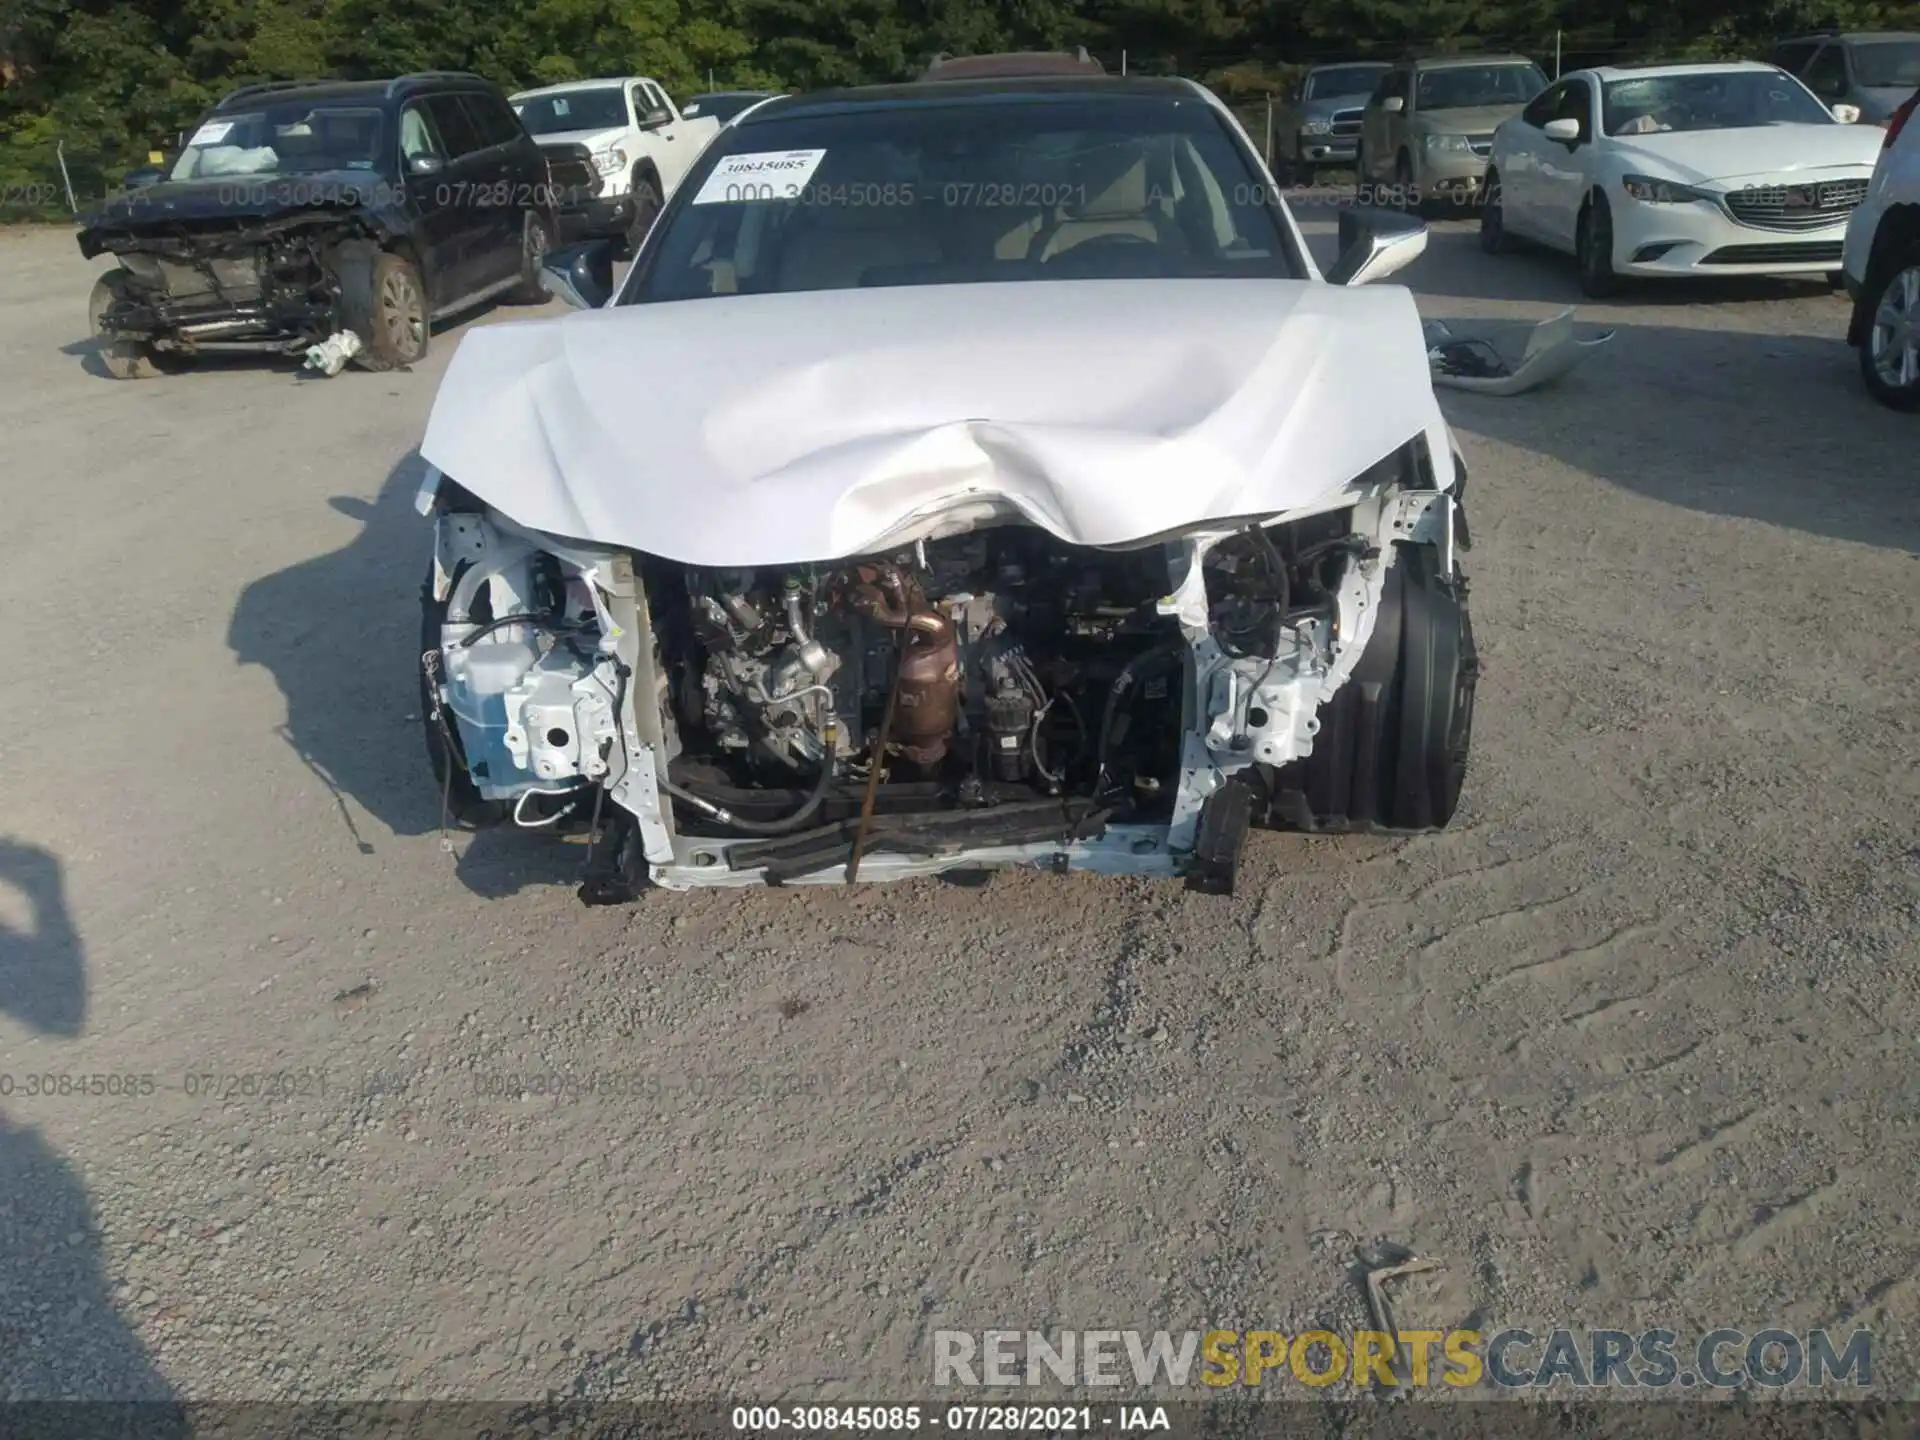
<point x="211" y="133"/>
<point x="763" y="175"/>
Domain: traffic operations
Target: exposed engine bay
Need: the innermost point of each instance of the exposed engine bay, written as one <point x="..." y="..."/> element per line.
<point x="992" y="697"/>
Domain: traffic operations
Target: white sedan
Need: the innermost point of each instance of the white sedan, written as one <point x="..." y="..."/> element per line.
<point x="1726" y="169"/>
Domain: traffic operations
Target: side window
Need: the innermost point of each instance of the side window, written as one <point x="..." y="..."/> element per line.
<point x="1576" y="103"/>
<point x="1827" y="75"/>
<point x="652" y="98"/>
<point x="416" y="136"/>
<point x="1391" y="83"/>
<point x="457" y="132"/>
<point x="493" y="120"/>
<point x="1545" y="106"/>
<point x="1791" y="56"/>
<point x="637" y="98"/>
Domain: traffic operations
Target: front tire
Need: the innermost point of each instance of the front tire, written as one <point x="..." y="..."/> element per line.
<point x="123" y="359"/>
<point x="1392" y="747"/>
<point x="1593" y="249"/>
<point x="534" y="245"/>
<point x="398" y="327"/>
<point x="1890" y="349"/>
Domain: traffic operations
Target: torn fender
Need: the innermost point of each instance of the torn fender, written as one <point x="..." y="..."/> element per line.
<point x="812" y="426"/>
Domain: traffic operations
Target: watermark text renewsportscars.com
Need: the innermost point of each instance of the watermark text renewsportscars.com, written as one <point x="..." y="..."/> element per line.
<point x="1510" y="1359"/>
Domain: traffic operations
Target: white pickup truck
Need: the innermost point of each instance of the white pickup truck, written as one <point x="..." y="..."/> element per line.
<point x="641" y="144"/>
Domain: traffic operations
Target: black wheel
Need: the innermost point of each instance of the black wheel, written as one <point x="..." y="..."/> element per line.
<point x="465" y="805"/>
<point x="534" y="245"/>
<point x="397" y="326"/>
<point x="646" y="205"/>
<point x="1593" y="248"/>
<point x="1493" y="221"/>
<point x="1890" y="346"/>
<point x="1392" y="746"/>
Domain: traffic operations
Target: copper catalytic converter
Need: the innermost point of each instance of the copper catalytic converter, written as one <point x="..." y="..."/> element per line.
<point x="927" y="687"/>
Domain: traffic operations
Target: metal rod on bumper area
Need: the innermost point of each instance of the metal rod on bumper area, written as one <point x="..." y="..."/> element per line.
<point x="879" y="758"/>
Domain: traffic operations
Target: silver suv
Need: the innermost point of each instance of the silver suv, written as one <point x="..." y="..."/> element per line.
<point x="1873" y="73"/>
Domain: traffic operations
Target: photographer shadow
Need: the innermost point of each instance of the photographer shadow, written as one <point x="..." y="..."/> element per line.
<point x="341" y="635"/>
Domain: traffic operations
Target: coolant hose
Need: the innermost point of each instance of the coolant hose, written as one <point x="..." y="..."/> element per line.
<point x="1122" y="683"/>
<point x="830" y="735"/>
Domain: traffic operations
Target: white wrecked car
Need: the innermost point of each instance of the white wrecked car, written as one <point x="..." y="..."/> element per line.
<point x="966" y="474"/>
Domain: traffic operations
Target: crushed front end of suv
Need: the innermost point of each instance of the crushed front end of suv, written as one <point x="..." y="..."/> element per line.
<point x="299" y="210"/>
<point x="940" y="495"/>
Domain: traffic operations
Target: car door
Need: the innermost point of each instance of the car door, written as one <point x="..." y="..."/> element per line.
<point x="1376" y="141"/>
<point x="1561" y="183"/>
<point x="440" y="232"/>
<point x="462" y="192"/>
<point x="1826" y="74"/>
<point x="497" y="166"/>
<point x="1518" y="146"/>
<point x="672" y="153"/>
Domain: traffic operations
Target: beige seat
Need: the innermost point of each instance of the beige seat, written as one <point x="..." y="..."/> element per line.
<point x="832" y="246"/>
<point x="1122" y="196"/>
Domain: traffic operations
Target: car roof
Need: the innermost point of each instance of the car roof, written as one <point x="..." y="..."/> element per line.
<point x="1658" y="69"/>
<point x="728" y="94"/>
<point x="1844" y="35"/>
<point x="600" y="82"/>
<point x="1350" y="65"/>
<point x="1460" y="62"/>
<point x="364" y="92"/>
<point x="918" y="94"/>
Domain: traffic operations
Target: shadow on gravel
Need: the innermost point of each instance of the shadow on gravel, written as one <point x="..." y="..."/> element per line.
<point x="60" y="1336"/>
<point x="1754" y="423"/>
<point x="43" y="978"/>
<point x="341" y="635"/>
<point x="1775" y="428"/>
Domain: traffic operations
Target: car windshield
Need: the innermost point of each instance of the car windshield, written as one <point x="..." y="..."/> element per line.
<point x="1712" y="100"/>
<point x="1466" y="87"/>
<point x="294" y="138"/>
<point x="1055" y="188"/>
<point x="1343" y="80"/>
<point x="1887" y="64"/>
<point x="599" y="107"/>
<point x="720" y="107"/>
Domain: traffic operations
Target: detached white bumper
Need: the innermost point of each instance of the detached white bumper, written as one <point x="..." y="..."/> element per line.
<point x="1699" y="238"/>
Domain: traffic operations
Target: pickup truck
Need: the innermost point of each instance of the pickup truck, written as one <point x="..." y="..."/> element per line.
<point x="640" y="142"/>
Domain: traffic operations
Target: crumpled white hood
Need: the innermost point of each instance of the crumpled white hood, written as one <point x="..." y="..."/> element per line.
<point x="783" y="429"/>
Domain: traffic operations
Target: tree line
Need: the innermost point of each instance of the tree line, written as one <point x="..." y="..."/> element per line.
<point x="110" y="79"/>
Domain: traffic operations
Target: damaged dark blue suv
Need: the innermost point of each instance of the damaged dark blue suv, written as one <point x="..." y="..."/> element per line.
<point x="298" y="210"/>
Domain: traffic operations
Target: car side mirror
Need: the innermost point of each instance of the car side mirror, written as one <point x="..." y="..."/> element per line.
<point x="139" y="179"/>
<point x="581" y="275"/>
<point x="654" y="119"/>
<point x="1567" y="132"/>
<point x="1374" y="243"/>
<point x="426" y="165"/>
<point x="1847" y="114"/>
<point x="1393" y="104"/>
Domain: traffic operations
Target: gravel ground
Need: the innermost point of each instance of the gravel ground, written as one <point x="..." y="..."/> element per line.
<point x="1632" y="1044"/>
